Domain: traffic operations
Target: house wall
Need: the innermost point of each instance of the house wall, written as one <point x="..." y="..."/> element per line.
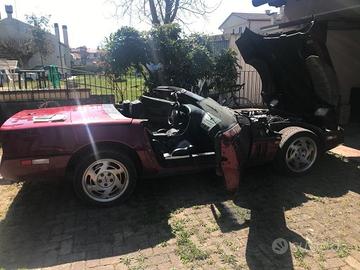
<point x="235" y="24"/>
<point x="15" y="29"/>
<point x="344" y="48"/>
<point x="296" y="9"/>
<point x="343" y="45"/>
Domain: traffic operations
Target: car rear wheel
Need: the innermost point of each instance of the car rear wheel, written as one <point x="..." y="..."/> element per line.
<point x="106" y="179"/>
<point x="298" y="151"/>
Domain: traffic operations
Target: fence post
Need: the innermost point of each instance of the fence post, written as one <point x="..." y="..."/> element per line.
<point x="84" y="80"/>
<point x="25" y="81"/>
<point x="66" y="82"/>
<point x="67" y="86"/>
<point x="44" y="79"/>
<point x="19" y="79"/>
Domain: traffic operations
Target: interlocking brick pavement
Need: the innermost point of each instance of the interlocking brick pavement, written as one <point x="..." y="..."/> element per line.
<point x="189" y="222"/>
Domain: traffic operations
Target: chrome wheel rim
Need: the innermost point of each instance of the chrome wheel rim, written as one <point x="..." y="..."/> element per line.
<point x="105" y="180"/>
<point x="301" y="154"/>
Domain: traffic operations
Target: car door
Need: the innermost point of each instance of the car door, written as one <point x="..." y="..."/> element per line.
<point x="234" y="145"/>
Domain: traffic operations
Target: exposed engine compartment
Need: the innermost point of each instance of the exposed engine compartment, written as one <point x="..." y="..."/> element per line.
<point x="263" y="116"/>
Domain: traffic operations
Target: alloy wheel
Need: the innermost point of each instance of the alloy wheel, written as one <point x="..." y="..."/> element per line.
<point x="105" y="180"/>
<point x="301" y="154"/>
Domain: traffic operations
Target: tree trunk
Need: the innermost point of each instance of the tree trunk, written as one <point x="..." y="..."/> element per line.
<point x="168" y="7"/>
<point x="154" y="15"/>
<point x="174" y="13"/>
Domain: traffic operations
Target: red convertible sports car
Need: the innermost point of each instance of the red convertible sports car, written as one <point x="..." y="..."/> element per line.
<point x="105" y="149"/>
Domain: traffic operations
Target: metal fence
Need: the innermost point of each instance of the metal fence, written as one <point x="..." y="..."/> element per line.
<point x="127" y="87"/>
<point x="252" y="87"/>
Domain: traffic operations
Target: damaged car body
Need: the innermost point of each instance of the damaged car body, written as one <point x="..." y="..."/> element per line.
<point x="105" y="149"/>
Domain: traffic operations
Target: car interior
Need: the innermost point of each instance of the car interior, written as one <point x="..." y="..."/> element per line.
<point x="174" y="127"/>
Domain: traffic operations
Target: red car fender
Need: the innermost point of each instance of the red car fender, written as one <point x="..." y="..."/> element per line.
<point x="230" y="163"/>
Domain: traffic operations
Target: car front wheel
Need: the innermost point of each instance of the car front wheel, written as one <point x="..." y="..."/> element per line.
<point x="298" y="151"/>
<point x="104" y="179"/>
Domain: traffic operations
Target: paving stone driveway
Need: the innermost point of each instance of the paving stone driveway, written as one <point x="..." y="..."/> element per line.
<point x="190" y="222"/>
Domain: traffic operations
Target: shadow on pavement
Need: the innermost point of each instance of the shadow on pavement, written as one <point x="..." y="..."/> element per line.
<point x="270" y="195"/>
<point x="47" y="226"/>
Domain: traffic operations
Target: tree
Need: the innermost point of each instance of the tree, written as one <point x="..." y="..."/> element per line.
<point x="19" y="49"/>
<point x="165" y="11"/>
<point x="226" y="70"/>
<point x="161" y="55"/>
<point x="125" y="49"/>
<point x="40" y="34"/>
<point x="164" y="57"/>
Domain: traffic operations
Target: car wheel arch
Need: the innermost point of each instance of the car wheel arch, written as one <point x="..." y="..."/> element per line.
<point x="103" y="146"/>
<point x="314" y="129"/>
<point x="290" y="135"/>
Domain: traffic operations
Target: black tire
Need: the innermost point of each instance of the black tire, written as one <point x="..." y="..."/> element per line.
<point x="114" y="158"/>
<point x="289" y="136"/>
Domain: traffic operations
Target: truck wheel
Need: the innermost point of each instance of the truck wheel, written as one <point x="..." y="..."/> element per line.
<point x="105" y="180"/>
<point x="298" y="151"/>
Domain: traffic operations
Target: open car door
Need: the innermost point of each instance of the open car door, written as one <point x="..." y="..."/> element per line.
<point x="234" y="147"/>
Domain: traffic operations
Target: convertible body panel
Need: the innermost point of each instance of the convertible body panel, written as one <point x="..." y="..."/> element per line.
<point x="56" y="134"/>
<point x="64" y="116"/>
<point x="47" y="167"/>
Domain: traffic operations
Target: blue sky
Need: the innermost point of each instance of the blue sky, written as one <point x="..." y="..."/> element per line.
<point x="89" y="21"/>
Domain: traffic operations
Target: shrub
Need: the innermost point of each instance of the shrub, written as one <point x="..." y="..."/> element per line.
<point x="164" y="56"/>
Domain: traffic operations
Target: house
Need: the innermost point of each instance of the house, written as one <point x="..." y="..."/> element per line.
<point x="341" y="22"/>
<point x="94" y="55"/>
<point x="236" y="22"/>
<point x="14" y="31"/>
<point x="79" y="56"/>
<point x="83" y="56"/>
<point x="75" y="58"/>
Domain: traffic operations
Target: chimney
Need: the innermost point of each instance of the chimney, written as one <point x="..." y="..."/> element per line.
<point x="9" y="11"/>
<point x="57" y="32"/>
<point x="282" y="12"/>
<point x="65" y="35"/>
<point x="274" y="17"/>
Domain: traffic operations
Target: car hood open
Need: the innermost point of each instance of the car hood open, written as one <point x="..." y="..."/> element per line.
<point x="296" y="72"/>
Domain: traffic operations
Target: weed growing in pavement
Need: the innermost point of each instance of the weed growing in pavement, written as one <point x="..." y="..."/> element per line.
<point x="186" y="249"/>
<point x="342" y="249"/>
